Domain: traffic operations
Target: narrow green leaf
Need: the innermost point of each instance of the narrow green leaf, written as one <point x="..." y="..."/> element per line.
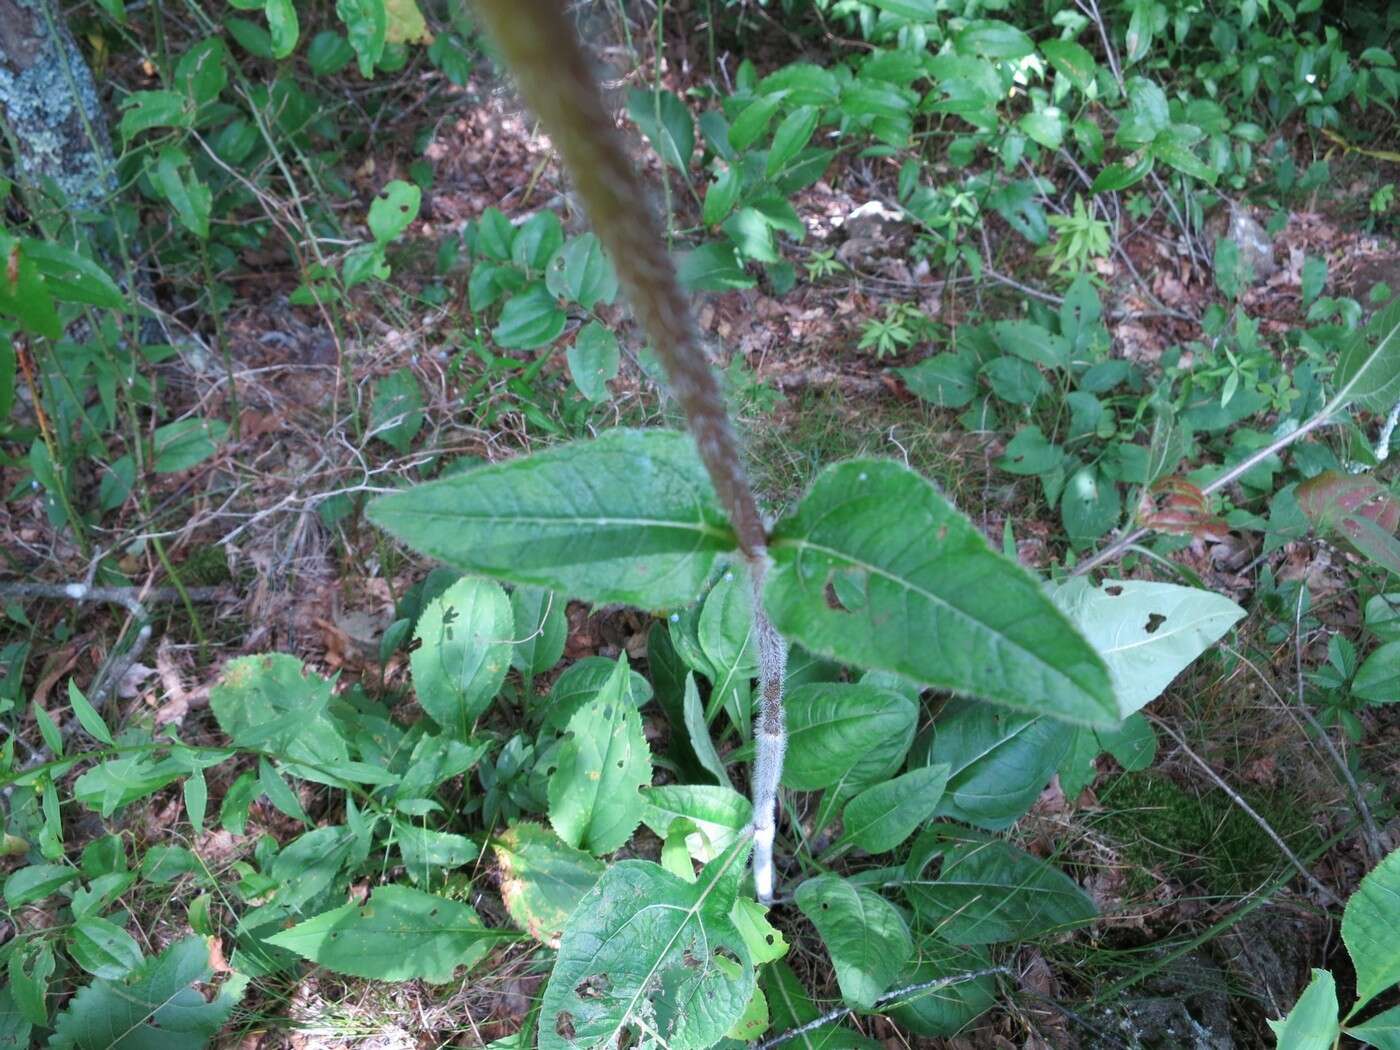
<point x="941" y="607"/>
<point x="88" y="716"/>
<point x="700" y="741"/>
<point x="881" y="817"/>
<point x="990" y="891"/>
<point x="638" y="503"/>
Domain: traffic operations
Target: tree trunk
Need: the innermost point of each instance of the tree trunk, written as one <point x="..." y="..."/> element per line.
<point x="51" y="110"/>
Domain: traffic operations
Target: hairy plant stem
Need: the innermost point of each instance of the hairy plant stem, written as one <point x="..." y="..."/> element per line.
<point x="541" y="48"/>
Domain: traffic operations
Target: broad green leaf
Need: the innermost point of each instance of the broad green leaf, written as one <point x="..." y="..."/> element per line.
<point x="593" y="359"/>
<point x="1071" y="60"/>
<point x="991" y="38"/>
<point x="1381" y="1031"/>
<point x="15" y="1027"/>
<point x="396" y="412"/>
<point x="367" y="26"/>
<point x="1133" y="744"/>
<point x="158" y="1004"/>
<point x="943" y="1011"/>
<point x="543" y="879"/>
<point x="839" y="732"/>
<point x="666" y="123"/>
<point x="1370" y="924"/>
<point x="541" y="630"/>
<point x="720" y="196"/>
<point x="272" y="703"/>
<point x="464" y="652"/>
<point x="753" y="121"/>
<point x="282" y="25"/>
<point x="192" y="199"/>
<point x="940" y="606"/>
<point x="71" y="277"/>
<point x="881" y="817"/>
<point x="1119" y="176"/>
<point x="791" y="137"/>
<point x="1368" y="368"/>
<point x="990" y="891"/>
<point x="693" y="714"/>
<point x="1378" y="678"/>
<point x="913" y="10"/>
<point x="427" y="851"/>
<point x="752" y="235"/>
<point x="1089" y="506"/>
<point x="1045" y="126"/>
<point x="718" y="813"/>
<point x="143" y="110"/>
<point x="712" y="267"/>
<point x="1032" y="342"/>
<point x="864" y="934"/>
<point x="630" y="517"/>
<point x="1312" y="1023"/>
<point x="580" y="683"/>
<point x="397" y="935"/>
<point x="594" y="802"/>
<point x="649" y="952"/>
<point x="999" y="761"/>
<point x="944" y="380"/>
<point x="103" y="948"/>
<point x="181" y="445"/>
<point x="35" y="882"/>
<point x="1030" y="453"/>
<point x="531" y="319"/>
<point x="536" y="242"/>
<point x="393" y="210"/>
<point x="1146" y="632"/>
<point x="764" y="941"/>
<point x="791" y="1008"/>
<point x="328" y="53"/>
<point x="29" y="981"/>
<point x="581" y="271"/>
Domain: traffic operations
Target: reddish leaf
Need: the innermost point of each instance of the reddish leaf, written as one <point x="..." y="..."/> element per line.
<point x="1175" y="506"/>
<point x="1358" y="510"/>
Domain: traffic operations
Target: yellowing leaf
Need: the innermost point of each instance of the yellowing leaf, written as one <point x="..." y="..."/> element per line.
<point x="406" y="25"/>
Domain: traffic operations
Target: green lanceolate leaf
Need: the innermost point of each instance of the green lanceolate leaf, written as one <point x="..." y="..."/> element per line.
<point x="543" y="879"/>
<point x="864" y="934"/>
<point x="1381" y="1031"/>
<point x="540" y="630"/>
<point x="465" y="651"/>
<point x="397" y="935"/>
<point x="881" y="817"/>
<point x="845" y="733"/>
<point x="630" y="517"/>
<point x="990" y="891"/>
<point x="1312" y="1023"/>
<point x="594" y="802"/>
<point x="1146" y="632"/>
<point x="650" y="953"/>
<point x="943" y="1011"/>
<point x="935" y="603"/>
<point x="156" y="1004"/>
<point x="1369" y="927"/>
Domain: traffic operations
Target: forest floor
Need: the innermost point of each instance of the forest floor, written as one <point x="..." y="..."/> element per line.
<point x="1197" y="929"/>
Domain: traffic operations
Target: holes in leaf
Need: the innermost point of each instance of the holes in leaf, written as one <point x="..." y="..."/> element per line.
<point x="594" y="986"/>
<point x="564" y="1024"/>
<point x="691" y="960"/>
<point x="1113" y="590"/>
<point x="1154" y="620"/>
<point x="620" y="763"/>
<point x="728" y="963"/>
<point x="607" y="711"/>
<point x="845" y="590"/>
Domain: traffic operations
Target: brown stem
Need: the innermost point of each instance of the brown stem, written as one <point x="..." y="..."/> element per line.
<point x="540" y="46"/>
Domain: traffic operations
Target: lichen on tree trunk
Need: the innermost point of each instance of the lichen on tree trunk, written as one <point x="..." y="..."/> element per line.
<point x="51" y="109"/>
